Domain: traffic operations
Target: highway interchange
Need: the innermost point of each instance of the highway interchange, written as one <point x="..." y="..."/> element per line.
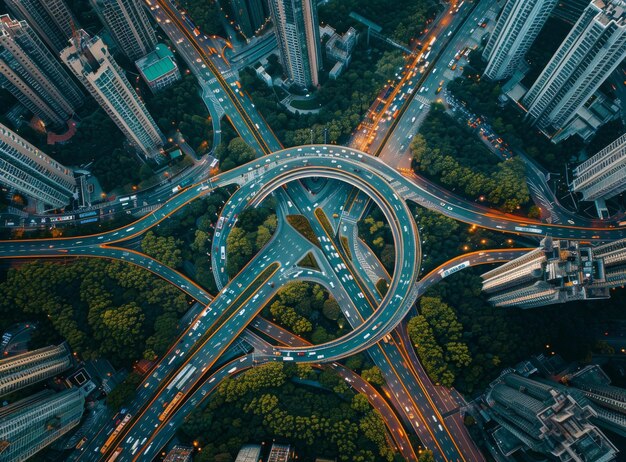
<point x="235" y="308"/>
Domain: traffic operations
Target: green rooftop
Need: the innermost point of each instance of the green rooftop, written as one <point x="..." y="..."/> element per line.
<point x="156" y="64"/>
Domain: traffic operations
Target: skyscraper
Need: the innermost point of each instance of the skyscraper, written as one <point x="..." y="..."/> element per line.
<point x="25" y="369"/>
<point x="592" y="50"/>
<point x="298" y="36"/>
<point x="29" y="425"/>
<point x="89" y="59"/>
<point x="544" y="418"/>
<point x="32" y="74"/>
<point x="603" y="175"/>
<point x="517" y="28"/>
<point x="248" y="15"/>
<point x="129" y="26"/>
<point x="557" y="272"/>
<point x="31" y="172"/>
<point x="570" y="10"/>
<point x="52" y="19"/>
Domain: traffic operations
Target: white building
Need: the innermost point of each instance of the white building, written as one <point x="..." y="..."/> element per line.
<point x="29" y="171"/>
<point x="128" y="23"/>
<point x="52" y="19"/>
<point x="33" y="75"/>
<point x="517" y="28"/>
<point x="29" y="425"/>
<point x="297" y="33"/>
<point x="89" y="59"/>
<point x="31" y="367"/>
<point x="592" y="50"/>
<point x="603" y="175"/>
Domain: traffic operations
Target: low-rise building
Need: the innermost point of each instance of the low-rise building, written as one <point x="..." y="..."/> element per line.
<point x="249" y="453"/>
<point x="179" y="454"/>
<point x="279" y="453"/>
<point x="158" y="69"/>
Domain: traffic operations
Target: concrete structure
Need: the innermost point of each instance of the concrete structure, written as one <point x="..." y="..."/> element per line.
<point x="89" y="59"/>
<point x="128" y="24"/>
<point x="249" y="453"/>
<point x="34" y="366"/>
<point x="556" y="272"/>
<point x="603" y="175"/>
<point x="279" y="453"/>
<point x="592" y="50"/>
<point x="249" y="15"/>
<point x="31" y="73"/>
<point x="537" y="416"/>
<point x="158" y="69"/>
<point x="29" y="425"/>
<point x="570" y="10"/>
<point x="179" y="454"/>
<point x="517" y="28"/>
<point x="29" y="171"/>
<point x="597" y="111"/>
<point x="297" y="33"/>
<point x="52" y="19"/>
<point x="339" y="47"/>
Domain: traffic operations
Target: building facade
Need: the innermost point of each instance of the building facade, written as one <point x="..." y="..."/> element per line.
<point x="29" y="171"/>
<point x="533" y="414"/>
<point x="592" y="50"/>
<point x="249" y="15"/>
<point x="297" y="34"/>
<point x="603" y="175"/>
<point x="31" y="367"/>
<point x="89" y="59"/>
<point x="158" y="68"/>
<point x="569" y="10"/>
<point x="29" y="425"/>
<point x="129" y="26"/>
<point x="517" y="28"/>
<point x="52" y="19"/>
<point x="557" y="272"/>
<point x="31" y="73"/>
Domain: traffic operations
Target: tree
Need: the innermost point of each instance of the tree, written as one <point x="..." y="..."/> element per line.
<point x="164" y="249"/>
<point x="374" y="376"/>
<point x="427" y="456"/>
<point x="331" y="309"/>
<point x="360" y="403"/>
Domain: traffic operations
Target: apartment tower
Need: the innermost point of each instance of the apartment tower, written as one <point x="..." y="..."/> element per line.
<point x="297" y="33"/>
<point x="31" y="73"/>
<point x="89" y="59"/>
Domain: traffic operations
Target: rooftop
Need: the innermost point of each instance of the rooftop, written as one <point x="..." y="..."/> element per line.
<point x="156" y="64"/>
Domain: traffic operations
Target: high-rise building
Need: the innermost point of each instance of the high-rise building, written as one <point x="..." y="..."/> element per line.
<point x="592" y="50"/>
<point x="536" y="415"/>
<point x="517" y="28"/>
<point x="298" y="36"/>
<point x="128" y="23"/>
<point x="89" y="59"/>
<point x="557" y="272"/>
<point x="603" y="175"/>
<point x="29" y="171"/>
<point x="249" y="15"/>
<point x="52" y="19"/>
<point x="25" y="369"/>
<point x="570" y="10"/>
<point x="32" y="74"/>
<point x="29" y="425"/>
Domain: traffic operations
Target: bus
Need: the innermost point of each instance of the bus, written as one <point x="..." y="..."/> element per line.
<point x="115" y="455"/>
<point x="454" y="269"/>
<point x="220" y="223"/>
<point x="170" y="407"/>
<point x="118" y="429"/>
<point x="92" y="213"/>
<point x="223" y="253"/>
